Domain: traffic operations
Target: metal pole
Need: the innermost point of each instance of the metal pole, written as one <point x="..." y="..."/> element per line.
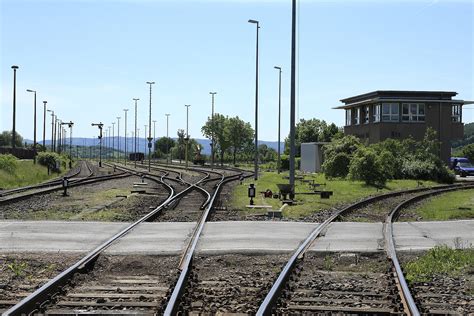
<point x="14" y="106"/>
<point x="154" y="136"/>
<point x="108" y="139"/>
<point x="125" y="160"/>
<point x="113" y="140"/>
<point x="256" y="104"/>
<point x="52" y="128"/>
<point x="167" y="139"/>
<point x="279" y="117"/>
<point x="187" y="133"/>
<point x="144" y="151"/>
<point x="70" y="144"/>
<point x="292" y="99"/>
<point x="44" y="124"/>
<point x="212" y="131"/>
<point x="149" y="131"/>
<point x="135" y="138"/>
<point x="118" y="137"/>
<point x="34" y="125"/>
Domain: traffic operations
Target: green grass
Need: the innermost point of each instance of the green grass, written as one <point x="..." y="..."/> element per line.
<point x="345" y="191"/>
<point x="449" y="206"/>
<point x="27" y="173"/>
<point x="441" y="260"/>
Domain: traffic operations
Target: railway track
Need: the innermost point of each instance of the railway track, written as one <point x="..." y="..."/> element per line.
<point x="307" y="286"/>
<point x="83" y="287"/>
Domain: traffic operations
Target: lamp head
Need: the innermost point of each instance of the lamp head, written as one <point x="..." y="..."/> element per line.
<point x="150" y="82"/>
<point x="253" y="21"/>
<point x="14" y="67"/>
<point x="276" y="67"/>
<point x="29" y="90"/>
<point x="45" y="102"/>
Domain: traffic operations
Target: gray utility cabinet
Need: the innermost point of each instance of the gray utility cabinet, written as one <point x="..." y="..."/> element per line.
<point x="312" y="156"/>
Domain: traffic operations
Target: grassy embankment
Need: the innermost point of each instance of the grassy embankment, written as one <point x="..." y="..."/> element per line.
<point x="449" y="206"/>
<point x="441" y="260"/>
<point x="25" y="174"/>
<point x="344" y="192"/>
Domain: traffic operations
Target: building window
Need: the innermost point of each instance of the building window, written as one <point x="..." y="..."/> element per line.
<point x="348" y="117"/>
<point x="413" y="112"/>
<point x="366" y="115"/>
<point x="357" y="116"/>
<point x="377" y="113"/>
<point x="390" y="112"/>
<point x="456" y="113"/>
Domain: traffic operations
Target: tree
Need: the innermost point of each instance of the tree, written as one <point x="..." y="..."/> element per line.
<point x="313" y="130"/>
<point x="180" y="149"/>
<point x="338" y="155"/>
<point x="238" y="133"/>
<point x="162" y="145"/>
<point x="468" y="152"/>
<point x="217" y="129"/>
<point x="266" y="153"/>
<point x="366" y="166"/>
<point x="6" y="139"/>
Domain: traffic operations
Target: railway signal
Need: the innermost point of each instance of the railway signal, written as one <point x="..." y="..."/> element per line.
<point x="70" y="124"/>
<point x="100" y="126"/>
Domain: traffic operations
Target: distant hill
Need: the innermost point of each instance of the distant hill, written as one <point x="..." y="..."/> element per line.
<point x="142" y="143"/>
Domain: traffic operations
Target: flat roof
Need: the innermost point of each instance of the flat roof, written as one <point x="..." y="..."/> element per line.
<point x="382" y="100"/>
<point x="402" y="94"/>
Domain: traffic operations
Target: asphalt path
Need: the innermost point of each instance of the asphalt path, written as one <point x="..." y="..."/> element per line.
<point x="227" y="237"/>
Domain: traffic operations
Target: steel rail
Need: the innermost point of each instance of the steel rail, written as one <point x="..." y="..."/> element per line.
<point x="185" y="265"/>
<point x="271" y="298"/>
<point x="390" y="244"/>
<point x="33" y="302"/>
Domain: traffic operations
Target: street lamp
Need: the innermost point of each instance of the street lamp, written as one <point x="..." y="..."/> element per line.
<point x="154" y="135"/>
<point x="149" y="132"/>
<point x="135" y="138"/>
<point x="113" y="140"/>
<point x="187" y="133"/>
<point x="34" y="126"/>
<point x="14" y="106"/>
<point x="52" y="128"/>
<point x="292" y="99"/>
<point x="144" y="151"/>
<point x="167" y="138"/>
<point x="100" y="126"/>
<point x="44" y="124"/>
<point x="125" y="110"/>
<point x="118" y="137"/>
<point x="279" y="115"/>
<point x="108" y="139"/>
<point x="212" y="130"/>
<point x="256" y="102"/>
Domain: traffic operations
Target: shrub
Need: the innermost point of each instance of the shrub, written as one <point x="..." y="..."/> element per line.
<point x="468" y="152"/>
<point x="8" y="163"/>
<point x="285" y="162"/>
<point x="51" y="160"/>
<point x="367" y="166"/>
<point x="337" y="166"/>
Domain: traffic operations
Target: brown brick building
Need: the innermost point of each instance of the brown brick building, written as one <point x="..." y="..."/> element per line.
<point x="379" y="115"/>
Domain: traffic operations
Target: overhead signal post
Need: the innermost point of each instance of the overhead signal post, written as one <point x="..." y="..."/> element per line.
<point x="150" y="139"/>
<point x="100" y="126"/>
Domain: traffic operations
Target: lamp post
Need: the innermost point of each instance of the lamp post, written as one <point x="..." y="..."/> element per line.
<point x="57" y="134"/>
<point x="256" y="102"/>
<point x="149" y="129"/>
<point x="118" y="137"/>
<point x="44" y="124"/>
<point x="14" y="106"/>
<point x="144" y="150"/>
<point x="125" y="160"/>
<point x="167" y="138"/>
<point x="279" y="115"/>
<point x="154" y="135"/>
<point x="52" y="128"/>
<point x="135" y="138"/>
<point x="187" y="134"/>
<point x="113" y="140"/>
<point x="108" y="140"/>
<point x="34" y="126"/>
<point x="212" y="131"/>
<point x="292" y="100"/>
<point x="100" y="126"/>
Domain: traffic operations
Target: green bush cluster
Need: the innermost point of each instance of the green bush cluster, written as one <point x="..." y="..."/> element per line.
<point x="285" y="162"/>
<point x="52" y="160"/>
<point x="390" y="159"/>
<point x="8" y="163"/>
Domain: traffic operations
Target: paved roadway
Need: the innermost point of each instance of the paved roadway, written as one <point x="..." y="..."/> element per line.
<point x="219" y="237"/>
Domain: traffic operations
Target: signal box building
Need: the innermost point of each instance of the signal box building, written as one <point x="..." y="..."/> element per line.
<point x="378" y="115"/>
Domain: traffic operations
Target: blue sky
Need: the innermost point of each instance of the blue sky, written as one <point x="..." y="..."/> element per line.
<point x="90" y="58"/>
